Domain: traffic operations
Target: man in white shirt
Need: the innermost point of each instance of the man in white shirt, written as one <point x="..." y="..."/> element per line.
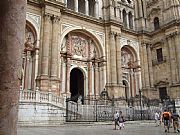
<point x="156" y="117"/>
<point x="116" y="119"/>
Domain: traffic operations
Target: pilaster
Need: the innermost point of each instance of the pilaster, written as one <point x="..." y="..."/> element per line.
<point x="150" y="65"/>
<point x="113" y="58"/>
<point x="44" y="77"/>
<point x="46" y="46"/>
<point x="55" y="47"/>
<point x="172" y="59"/>
<point x="177" y="41"/>
<point x="118" y="60"/>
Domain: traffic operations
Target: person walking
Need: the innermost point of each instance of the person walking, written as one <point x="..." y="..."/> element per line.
<point x="121" y="120"/>
<point x="116" y="120"/>
<point x="166" y="118"/>
<point x="156" y="117"/>
<point x="175" y="117"/>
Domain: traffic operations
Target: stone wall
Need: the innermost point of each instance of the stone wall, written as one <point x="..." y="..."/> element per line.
<point x="40" y="114"/>
<point x="37" y="108"/>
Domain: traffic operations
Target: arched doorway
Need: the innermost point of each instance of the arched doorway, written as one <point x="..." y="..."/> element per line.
<point x="130" y="67"/>
<point x="126" y="89"/>
<point x="76" y="84"/>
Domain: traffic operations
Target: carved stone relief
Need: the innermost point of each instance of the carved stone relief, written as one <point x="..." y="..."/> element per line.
<point x="29" y="40"/>
<point x="79" y="46"/>
<point x="125" y="58"/>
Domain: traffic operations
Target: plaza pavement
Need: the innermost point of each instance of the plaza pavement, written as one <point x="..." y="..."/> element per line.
<point x="131" y="128"/>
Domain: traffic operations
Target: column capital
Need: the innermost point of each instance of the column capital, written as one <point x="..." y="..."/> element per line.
<point x="118" y="35"/>
<point x="48" y="17"/>
<point x="112" y="33"/>
<point x="56" y="19"/>
<point x="171" y="35"/>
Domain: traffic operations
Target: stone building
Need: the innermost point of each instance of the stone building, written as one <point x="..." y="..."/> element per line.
<point x="81" y="47"/>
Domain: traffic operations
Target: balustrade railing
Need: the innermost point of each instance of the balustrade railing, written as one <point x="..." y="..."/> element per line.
<point x="40" y="97"/>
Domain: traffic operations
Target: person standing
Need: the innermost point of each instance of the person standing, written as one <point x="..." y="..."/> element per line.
<point x="175" y="117"/>
<point x="116" y="120"/>
<point x="166" y="117"/>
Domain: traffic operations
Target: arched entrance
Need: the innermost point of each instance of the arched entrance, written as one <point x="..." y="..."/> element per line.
<point x="76" y="84"/>
<point x="126" y="89"/>
<point x="131" y="70"/>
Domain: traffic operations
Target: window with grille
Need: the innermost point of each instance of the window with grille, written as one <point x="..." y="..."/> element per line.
<point x="159" y="55"/>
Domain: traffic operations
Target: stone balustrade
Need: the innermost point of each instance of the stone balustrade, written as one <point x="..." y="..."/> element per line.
<point x="41" y="97"/>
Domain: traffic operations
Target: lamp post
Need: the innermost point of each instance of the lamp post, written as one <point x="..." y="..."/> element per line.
<point x="140" y="100"/>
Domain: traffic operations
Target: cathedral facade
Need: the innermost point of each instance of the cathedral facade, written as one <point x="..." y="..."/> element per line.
<point x="82" y="47"/>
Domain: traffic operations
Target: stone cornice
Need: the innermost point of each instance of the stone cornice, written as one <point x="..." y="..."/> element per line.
<point x="81" y="16"/>
<point x="53" y="3"/>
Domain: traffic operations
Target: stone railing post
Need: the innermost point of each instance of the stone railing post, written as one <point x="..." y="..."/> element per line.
<point x="37" y="94"/>
<point x="21" y="94"/>
<point x="50" y="96"/>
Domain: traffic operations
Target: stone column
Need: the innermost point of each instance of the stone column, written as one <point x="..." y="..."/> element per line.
<point x="172" y="60"/>
<point x="119" y="67"/>
<point x="12" y="32"/>
<point x="145" y="64"/>
<point x="65" y="2"/>
<point x="117" y="14"/>
<point x="96" y="9"/>
<point x="90" y="78"/>
<point x="133" y="26"/>
<point x="63" y="76"/>
<point x="68" y="77"/>
<point x="177" y="41"/>
<point x="96" y="77"/>
<point x="45" y="46"/>
<point x="140" y="8"/>
<point x="108" y="68"/>
<point x="26" y="77"/>
<point x="55" y="47"/>
<point x="29" y="70"/>
<point x="101" y="80"/>
<point x="136" y="7"/>
<point x="142" y="65"/>
<point x="36" y="66"/>
<point x="87" y="7"/>
<point x="76" y="5"/>
<point x="113" y="58"/>
<point x="127" y="19"/>
<point x="150" y="65"/>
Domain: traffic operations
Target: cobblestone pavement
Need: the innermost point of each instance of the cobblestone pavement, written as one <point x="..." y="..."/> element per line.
<point x="130" y="129"/>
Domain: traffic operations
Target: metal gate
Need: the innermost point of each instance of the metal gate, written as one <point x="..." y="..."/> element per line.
<point x="92" y="109"/>
<point x="101" y="108"/>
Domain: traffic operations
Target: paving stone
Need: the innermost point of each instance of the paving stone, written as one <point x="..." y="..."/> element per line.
<point x="130" y="129"/>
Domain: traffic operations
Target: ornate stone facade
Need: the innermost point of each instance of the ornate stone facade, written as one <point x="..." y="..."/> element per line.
<point x="127" y="46"/>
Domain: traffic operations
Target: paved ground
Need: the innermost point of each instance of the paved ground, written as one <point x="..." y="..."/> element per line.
<point x="130" y="129"/>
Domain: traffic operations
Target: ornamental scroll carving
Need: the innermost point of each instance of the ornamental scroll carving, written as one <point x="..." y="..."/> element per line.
<point x="79" y="46"/>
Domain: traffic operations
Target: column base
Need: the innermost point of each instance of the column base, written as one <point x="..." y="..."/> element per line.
<point x="151" y="93"/>
<point x="43" y="83"/>
<point x="55" y="85"/>
<point x="115" y="90"/>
